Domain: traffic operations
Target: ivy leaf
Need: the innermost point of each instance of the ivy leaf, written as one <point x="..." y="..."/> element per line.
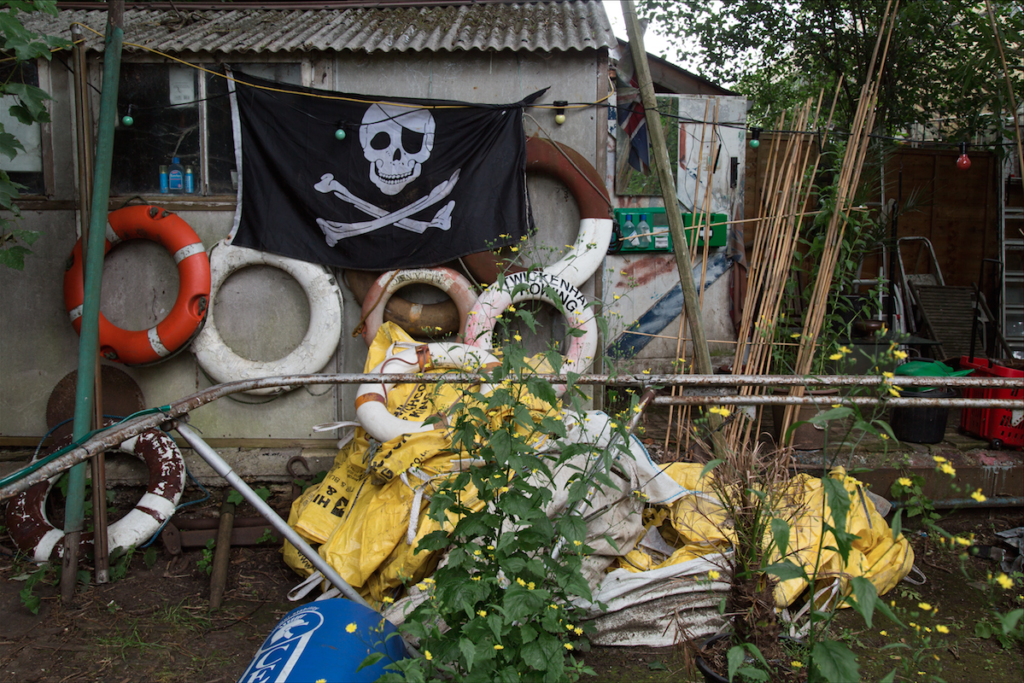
<point x="468" y="650"/>
<point x="835" y="661"/>
<point x="780" y="532"/>
<point x="786" y="570"/>
<point x="866" y="597"/>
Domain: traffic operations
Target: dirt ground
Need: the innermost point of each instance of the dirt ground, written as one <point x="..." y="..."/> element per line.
<point x="155" y="623"/>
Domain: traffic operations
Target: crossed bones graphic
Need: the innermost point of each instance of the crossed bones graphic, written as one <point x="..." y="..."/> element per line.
<point x="334" y="231"/>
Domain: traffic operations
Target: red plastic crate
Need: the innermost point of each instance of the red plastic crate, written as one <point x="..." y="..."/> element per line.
<point x="995" y="424"/>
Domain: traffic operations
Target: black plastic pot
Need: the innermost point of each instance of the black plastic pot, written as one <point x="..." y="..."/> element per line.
<point x="702" y="666"/>
<point x="921" y="425"/>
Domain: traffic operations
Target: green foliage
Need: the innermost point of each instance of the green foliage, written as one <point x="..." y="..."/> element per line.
<point x="235" y="498"/>
<point x="205" y="561"/>
<point x="942" y="59"/>
<point x="29" y="107"/>
<point x="149" y="557"/>
<point x="46" y="574"/>
<point x="121" y="561"/>
<point x="507" y="588"/>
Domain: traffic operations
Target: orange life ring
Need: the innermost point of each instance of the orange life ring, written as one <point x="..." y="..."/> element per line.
<point x="173" y="333"/>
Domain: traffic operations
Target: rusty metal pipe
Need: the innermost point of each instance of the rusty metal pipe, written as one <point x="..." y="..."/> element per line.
<point x="111" y="438"/>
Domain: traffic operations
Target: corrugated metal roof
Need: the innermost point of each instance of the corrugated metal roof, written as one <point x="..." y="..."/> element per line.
<point x="534" y="27"/>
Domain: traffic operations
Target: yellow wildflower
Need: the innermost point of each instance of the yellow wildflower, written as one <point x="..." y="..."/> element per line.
<point x="577" y="543"/>
<point x="636" y="409"/>
<point x="947" y="469"/>
<point x="884" y="436"/>
<point x="904" y="481"/>
<point x="835" y="356"/>
<point x="962" y="541"/>
<point x="1005" y="581"/>
<point x="351" y="628"/>
<point x="616" y="297"/>
<point x="795" y="335"/>
<point x="888" y="375"/>
<point x="719" y="410"/>
<point x="647" y="372"/>
<point x="426" y="653"/>
<point x="942" y="629"/>
<point x="531" y="586"/>
<point x="569" y="627"/>
<point x="845" y="349"/>
<point x="925" y="606"/>
<point x="482" y="613"/>
<point x="895" y="390"/>
<point x="938" y="458"/>
<point x="713" y="575"/>
<point x="517" y="337"/>
<point x="520" y="582"/>
<point x="978" y="496"/>
<point x="475" y="578"/>
<point x="499" y="647"/>
<point x="568" y="646"/>
<point x="503" y="489"/>
<point x="900" y="354"/>
<point x="513" y="248"/>
<point x="388" y="600"/>
<point x="795" y="664"/>
<point x="578" y="631"/>
<point x="883" y="633"/>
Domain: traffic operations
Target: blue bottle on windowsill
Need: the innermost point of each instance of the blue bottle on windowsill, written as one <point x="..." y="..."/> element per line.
<point x="176" y="177"/>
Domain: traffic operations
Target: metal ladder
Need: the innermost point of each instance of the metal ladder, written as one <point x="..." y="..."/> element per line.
<point x="1011" y="255"/>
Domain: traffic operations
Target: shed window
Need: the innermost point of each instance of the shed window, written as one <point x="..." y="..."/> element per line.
<point x="178" y="111"/>
<point x="26" y="168"/>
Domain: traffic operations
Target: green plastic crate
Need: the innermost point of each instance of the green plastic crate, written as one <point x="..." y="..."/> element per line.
<point x="658" y="222"/>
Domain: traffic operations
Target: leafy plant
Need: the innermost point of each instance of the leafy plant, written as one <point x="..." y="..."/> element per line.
<point x="502" y="604"/>
<point x="29" y="108"/>
<point x="205" y="561"/>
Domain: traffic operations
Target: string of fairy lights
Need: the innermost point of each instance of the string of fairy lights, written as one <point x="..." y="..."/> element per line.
<point x="560" y="107"/>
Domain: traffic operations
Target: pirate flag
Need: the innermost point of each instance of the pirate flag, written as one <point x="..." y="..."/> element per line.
<point x="411" y="183"/>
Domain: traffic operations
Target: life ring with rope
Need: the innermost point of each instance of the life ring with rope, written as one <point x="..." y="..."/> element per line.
<point x="179" y="327"/>
<point x="372" y="399"/>
<point x="447" y="280"/>
<point x="33" y="533"/>
<point x="323" y="333"/>
<point x="536" y="286"/>
<point x="545" y="157"/>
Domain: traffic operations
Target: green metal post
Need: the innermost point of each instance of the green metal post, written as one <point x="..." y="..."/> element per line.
<point x="88" y="343"/>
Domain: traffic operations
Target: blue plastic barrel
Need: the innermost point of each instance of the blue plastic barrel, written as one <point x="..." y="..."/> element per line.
<point x="313" y="643"/>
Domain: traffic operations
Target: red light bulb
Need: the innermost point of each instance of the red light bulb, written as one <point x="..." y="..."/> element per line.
<point x="963" y="162"/>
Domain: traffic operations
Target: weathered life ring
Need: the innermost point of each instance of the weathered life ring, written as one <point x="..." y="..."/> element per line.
<point x="33" y="532"/>
<point x="586" y="186"/>
<point x="447" y="280"/>
<point x="173" y="333"/>
<point x="322" y="335"/>
<point x="419" y="320"/>
<point x="372" y="399"/>
<point x="532" y="286"/>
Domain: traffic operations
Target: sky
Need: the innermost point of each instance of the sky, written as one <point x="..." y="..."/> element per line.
<point x="655" y="44"/>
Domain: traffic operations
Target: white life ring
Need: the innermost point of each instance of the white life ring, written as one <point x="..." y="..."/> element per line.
<point x="595" y="231"/>
<point x="33" y="532"/>
<point x="447" y="280"/>
<point x="532" y="285"/>
<point x="322" y="335"/>
<point x="372" y="399"/>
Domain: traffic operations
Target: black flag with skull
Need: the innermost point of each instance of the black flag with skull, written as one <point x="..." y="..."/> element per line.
<point x="410" y="183"/>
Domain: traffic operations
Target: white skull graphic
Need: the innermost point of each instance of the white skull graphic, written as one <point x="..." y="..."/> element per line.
<point x="396" y="141"/>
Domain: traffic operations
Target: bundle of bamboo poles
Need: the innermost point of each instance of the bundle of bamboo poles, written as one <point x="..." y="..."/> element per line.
<point x="784" y="202"/>
<point x="783" y="207"/>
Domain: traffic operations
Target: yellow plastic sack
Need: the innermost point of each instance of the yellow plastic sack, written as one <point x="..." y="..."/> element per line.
<point x="332" y="497"/>
<point x="875" y="555"/>
<point x="292" y="557"/>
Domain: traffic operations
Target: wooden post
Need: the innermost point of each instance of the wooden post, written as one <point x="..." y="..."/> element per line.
<point x="691" y="301"/>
